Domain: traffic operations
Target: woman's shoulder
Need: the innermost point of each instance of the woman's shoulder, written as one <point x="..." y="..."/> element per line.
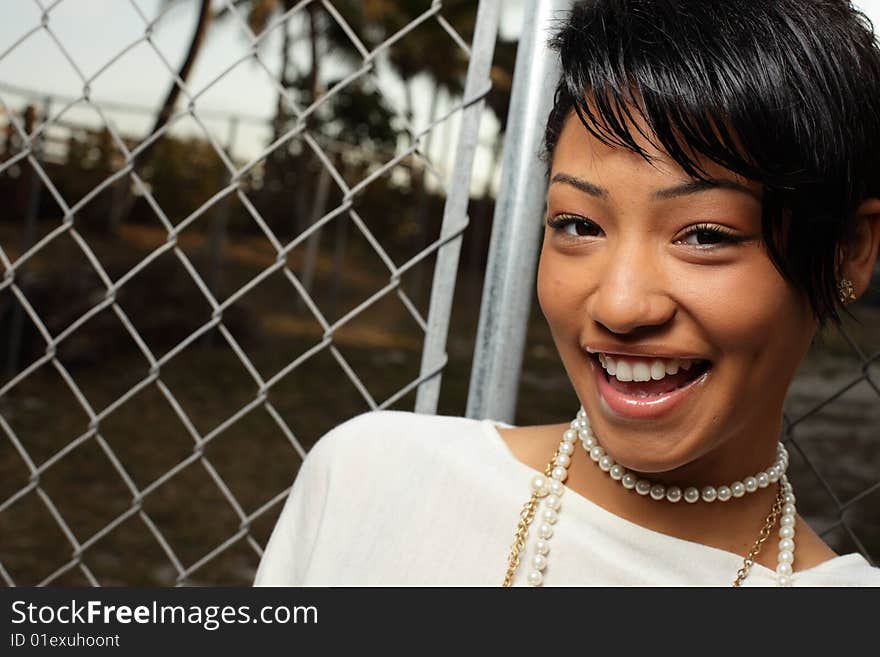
<point x="850" y="569"/>
<point x="376" y="434"/>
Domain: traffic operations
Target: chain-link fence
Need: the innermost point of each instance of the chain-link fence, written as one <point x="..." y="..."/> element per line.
<point x="186" y="306"/>
<point x="60" y="223"/>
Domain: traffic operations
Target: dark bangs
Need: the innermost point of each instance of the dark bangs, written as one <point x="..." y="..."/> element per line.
<point x="785" y="93"/>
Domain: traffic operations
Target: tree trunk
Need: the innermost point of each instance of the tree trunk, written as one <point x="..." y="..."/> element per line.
<point x="123" y="199"/>
<point x="313" y="243"/>
<point x="195" y="46"/>
<point x="304" y="186"/>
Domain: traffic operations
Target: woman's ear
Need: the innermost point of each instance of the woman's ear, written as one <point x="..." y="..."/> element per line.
<point x="859" y="253"/>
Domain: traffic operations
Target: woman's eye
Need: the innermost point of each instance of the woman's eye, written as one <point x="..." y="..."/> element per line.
<point x="706" y="236"/>
<point x="571" y="226"/>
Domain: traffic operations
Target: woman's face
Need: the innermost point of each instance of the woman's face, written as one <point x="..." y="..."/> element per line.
<point x="635" y="266"/>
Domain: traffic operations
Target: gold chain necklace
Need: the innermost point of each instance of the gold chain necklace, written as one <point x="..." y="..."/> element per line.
<point x="527" y="514"/>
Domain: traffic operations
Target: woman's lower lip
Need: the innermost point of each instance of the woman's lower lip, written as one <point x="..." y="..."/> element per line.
<point x="643" y="408"/>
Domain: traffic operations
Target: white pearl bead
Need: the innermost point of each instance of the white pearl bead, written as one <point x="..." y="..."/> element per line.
<point x="542" y="546"/>
<point x="784" y="568"/>
<point x="786" y="544"/>
<point x="563" y="460"/>
<point x="583" y="423"/>
<point x="552" y="502"/>
<point x="549" y="516"/>
<point x="585" y="433"/>
<point x="539" y="562"/>
<point x="559" y="473"/>
<point x="673" y="494"/>
<point x="556" y="488"/>
<point x="785" y="556"/>
<point x="788" y="510"/>
<point x="786" y="521"/>
<point x="588" y="443"/>
<point x="658" y="492"/>
<point x="597" y="452"/>
<point x="789" y="498"/>
<point x="569" y="436"/>
<point x="773" y="474"/>
<point x="786" y="532"/>
<point x="783" y="580"/>
<point x="628" y="480"/>
<point x="573" y="424"/>
<point x="709" y="494"/>
<point x="581" y="414"/>
<point x="605" y="463"/>
<point x="536" y="578"/>
<point x="763" y="480"/>
<point x="691" y="494"/>
<point x="737" y="489"/>
<point x="724" y="493"/>
<point x="545" y="530"/>
<point x="566" y="448"/>
<point x="751" y="484"/>
<point x="539" y="485"/>
<point x="643" y="486"/>
<point x="616" y="472"/>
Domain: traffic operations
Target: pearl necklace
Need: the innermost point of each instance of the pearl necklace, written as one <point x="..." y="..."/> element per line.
<point x="549" y="488"/>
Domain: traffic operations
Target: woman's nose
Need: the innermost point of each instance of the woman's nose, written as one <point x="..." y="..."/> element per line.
<point x="631" y="292"/>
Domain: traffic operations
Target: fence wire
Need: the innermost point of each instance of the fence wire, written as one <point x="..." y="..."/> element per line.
<point x="28" y="138"/>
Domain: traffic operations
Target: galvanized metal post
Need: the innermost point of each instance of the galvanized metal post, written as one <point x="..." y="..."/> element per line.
<point x="455" y="211"/>
<point x="516" y="225"/>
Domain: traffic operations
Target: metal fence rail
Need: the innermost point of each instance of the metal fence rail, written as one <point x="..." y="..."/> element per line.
<point x="30" y="138"/>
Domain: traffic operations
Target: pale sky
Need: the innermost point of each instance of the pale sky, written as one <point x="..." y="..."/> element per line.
<point x="95" y="32"/>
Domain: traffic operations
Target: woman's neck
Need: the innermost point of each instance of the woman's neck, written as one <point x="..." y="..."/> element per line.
<point x="732" y="526"/>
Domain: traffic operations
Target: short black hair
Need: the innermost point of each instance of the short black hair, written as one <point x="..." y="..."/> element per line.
<point x="782" y="92"/>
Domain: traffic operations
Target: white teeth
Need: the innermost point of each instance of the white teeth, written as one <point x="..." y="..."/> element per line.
<point x="640" y="370"/>
<point x="658" y="369"/>
<point x="624" y="371"/>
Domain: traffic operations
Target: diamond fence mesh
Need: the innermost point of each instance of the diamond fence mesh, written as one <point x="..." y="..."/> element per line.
<point x="182" y="316"/>
<point x="127" y="251"/>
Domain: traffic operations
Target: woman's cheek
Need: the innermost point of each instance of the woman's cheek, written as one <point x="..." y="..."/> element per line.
<point x="743" y="305"/>
<point x="556" y="294"/>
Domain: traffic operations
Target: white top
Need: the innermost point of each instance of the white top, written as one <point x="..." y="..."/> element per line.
<point x="392" y="498"/>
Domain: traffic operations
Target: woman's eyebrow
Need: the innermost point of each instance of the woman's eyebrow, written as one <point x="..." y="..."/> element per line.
<point x="696" y="186"/>
<point x="581" y="184"/>
<point x="691" y="187"/>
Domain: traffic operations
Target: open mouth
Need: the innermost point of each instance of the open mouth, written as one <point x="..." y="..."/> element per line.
<point x="645" y="377"/>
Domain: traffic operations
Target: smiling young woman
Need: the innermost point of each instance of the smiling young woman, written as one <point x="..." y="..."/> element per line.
<point x="713" y="201"/>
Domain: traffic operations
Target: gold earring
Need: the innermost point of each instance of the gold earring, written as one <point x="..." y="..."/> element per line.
<point x="845" y="291"/>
